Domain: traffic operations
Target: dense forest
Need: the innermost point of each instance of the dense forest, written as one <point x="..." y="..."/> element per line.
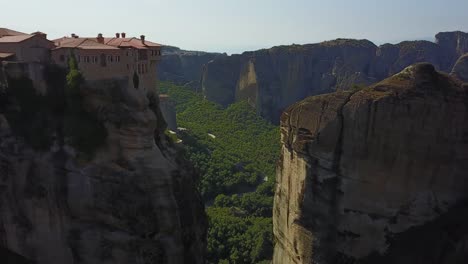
<point x="235" y="152"/>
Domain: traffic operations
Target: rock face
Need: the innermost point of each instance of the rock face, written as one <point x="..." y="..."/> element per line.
<point x="168" y="111"/>
<point x="275" y="78"/>
<point x="377" y="175"/>
<point x="460" y="70"/>
<point x="183" y="67"/>
<point x="133" y="201"/>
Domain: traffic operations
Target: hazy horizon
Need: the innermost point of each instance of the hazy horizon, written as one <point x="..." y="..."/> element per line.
<point x="237" y="26"/>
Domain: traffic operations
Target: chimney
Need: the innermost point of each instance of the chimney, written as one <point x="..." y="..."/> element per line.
<point x="117" y="35"/>
<point x="123" y="34"/>
<point x="142" y="37"/>
<point x="73" y="35"/>
<point x="100" y="39"/>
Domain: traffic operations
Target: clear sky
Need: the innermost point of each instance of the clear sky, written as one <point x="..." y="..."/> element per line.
<point x="234" y="26"/>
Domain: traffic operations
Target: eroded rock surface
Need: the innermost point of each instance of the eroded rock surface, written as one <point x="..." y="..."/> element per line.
<point x="377" y="175"/>
<point x="134" y="201"/>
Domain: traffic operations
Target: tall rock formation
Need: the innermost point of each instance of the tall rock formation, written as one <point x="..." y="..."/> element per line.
<point x="378" y="175"/>
<point x="183" y="67"/>
<point x="460" y="70"/>
<point x="272" y="79"/>
<point x="126" y="198"/>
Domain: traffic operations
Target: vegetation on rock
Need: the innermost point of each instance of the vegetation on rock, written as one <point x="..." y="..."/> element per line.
<point x="56" y="115"/>
<point x="83" y="130"/>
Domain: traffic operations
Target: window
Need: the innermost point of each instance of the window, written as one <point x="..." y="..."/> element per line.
<point x="139" y="69"/>
<point x="128" y="67"/>
<point x="62" y="57"/>
<point x="127" y="53"/>
<point x="117" y="58"/>
<point x="103" y="60"/>
<point x="142" y="54"/>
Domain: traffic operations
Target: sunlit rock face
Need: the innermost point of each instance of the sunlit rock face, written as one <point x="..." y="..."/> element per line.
<point x="377" y="175"/>
<point x="134" y="201"/>
<point x="460" y="70"/>
<point x="273" y="79"/>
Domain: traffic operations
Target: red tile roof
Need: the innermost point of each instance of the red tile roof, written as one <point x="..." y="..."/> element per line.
<point x="130" y="43"/>
<point x="81" y="43"/>
<point x="6" y="55"/>
<point x="15" y="39"/>
<point x="9" y="32"/>
<point x="111" y="43"/>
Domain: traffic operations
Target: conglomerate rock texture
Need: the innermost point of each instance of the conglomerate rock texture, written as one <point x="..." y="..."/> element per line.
<point x="377" y="175"/>
<point x="272" y="79"/>
<point x="133" y="201"/>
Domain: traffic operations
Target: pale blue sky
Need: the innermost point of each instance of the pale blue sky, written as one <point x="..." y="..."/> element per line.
<point x="238" y="25"/>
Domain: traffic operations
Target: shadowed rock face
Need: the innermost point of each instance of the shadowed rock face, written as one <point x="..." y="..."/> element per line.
<point x="183" y="67"/>
<point x="275" y="78"/>
<point x="134" y="202"/>
<point x="377" y="175"/>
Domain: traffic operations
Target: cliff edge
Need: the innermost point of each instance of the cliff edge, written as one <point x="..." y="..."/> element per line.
<point x="377" y="175"/>
<point x="87" y="175"/>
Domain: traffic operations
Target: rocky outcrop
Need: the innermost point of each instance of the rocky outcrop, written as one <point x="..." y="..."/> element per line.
<point x="168" y="111"/>
<point x="132" y="200"/>
<point x="377" y="175"/>
<point x="183" y="67"/>
<point x="453" y="45"/>
<point x="460" y="70"/>
<point x="272" y="79"/>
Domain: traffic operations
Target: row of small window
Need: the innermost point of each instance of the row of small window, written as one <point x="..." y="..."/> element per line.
<point x="141" y="68"/>
<point x="155" y="53"/>
<point x="94" y="59"/>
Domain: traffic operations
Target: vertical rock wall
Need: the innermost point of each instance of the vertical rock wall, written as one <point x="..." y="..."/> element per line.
<point x="377" y="175"/>
<point x="133" y="201"/>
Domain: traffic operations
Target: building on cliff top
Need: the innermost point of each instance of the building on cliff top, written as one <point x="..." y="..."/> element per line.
<point x="22" y="47"/>
<point x="108" y="58"/>
<point x="98" y="57"/>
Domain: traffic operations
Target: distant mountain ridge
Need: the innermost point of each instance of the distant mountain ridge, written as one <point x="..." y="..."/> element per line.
<point x="272" y="79"/>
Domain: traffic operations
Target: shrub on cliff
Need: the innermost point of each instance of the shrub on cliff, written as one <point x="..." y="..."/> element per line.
<point x="83" y="130"/>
